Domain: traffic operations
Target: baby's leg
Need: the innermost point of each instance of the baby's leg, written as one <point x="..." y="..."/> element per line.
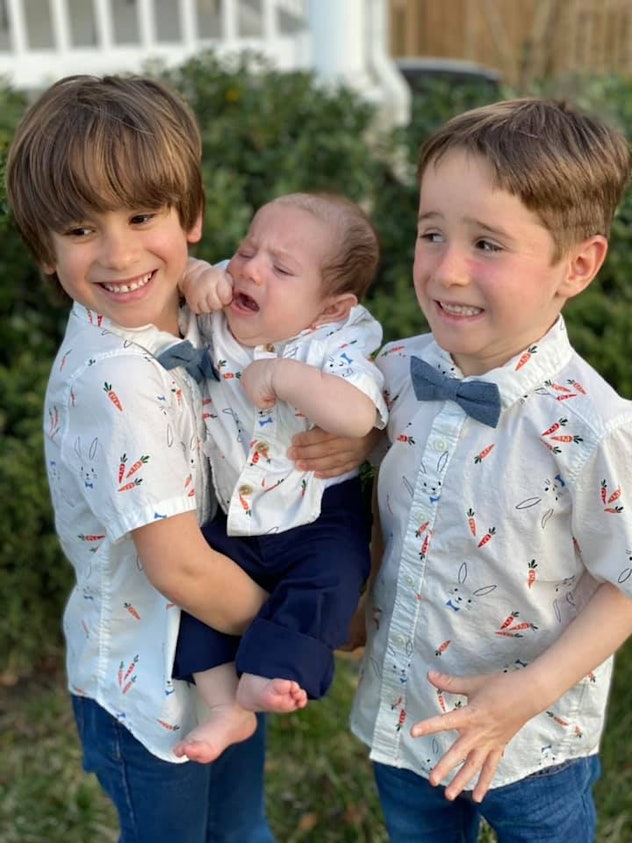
<point x="228" y="722"/>
<point x="281" y="696"/>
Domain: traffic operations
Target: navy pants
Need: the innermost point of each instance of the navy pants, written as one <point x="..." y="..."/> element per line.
<point x="314" y="574"/>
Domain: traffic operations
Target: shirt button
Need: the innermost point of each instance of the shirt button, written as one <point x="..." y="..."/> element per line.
<point x="400" y="640"/>
<point x="269" y="347"/>
<point x="245" y="490"/>
<point x="441" y="445"/>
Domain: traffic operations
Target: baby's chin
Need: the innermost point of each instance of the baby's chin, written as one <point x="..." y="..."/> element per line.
<point x="244" y="338"/>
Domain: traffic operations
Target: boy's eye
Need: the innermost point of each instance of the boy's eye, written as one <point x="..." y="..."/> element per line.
<point x="140" y="219"/>
<point x="488" y="246"/>
<point x="431" y="236"/>
<point x="281" y="270"/>
<point x="78" y="231"/>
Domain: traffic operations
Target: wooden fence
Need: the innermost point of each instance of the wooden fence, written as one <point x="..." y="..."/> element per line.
<point x="523" y="39"/>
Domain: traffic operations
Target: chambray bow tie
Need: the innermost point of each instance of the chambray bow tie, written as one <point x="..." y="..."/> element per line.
<point x="197" y="361"/>
<point x="479" y="399"/>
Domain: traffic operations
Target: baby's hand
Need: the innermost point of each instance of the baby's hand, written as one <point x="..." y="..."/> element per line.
<point x="257" y="380"/>
<point x="205" y="287"/>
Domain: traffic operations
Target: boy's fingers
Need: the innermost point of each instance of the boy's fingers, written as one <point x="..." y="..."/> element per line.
<point x="487" y="774"/>
<point x="439" y="723"/>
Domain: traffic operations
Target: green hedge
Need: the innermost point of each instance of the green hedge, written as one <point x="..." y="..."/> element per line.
<point x="264" y="133"/>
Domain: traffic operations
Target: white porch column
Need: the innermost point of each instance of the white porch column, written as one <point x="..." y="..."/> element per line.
<point x="146" y="23"/>
<point x="350" y="46"/>
<point x="229" y="22"/>
<point x="395" y="93"/>
<point x="105" y="27"/>
<point x="338" y="29"/>
<point x="17" y="27"/>
<point x="61" y="26"/>
<point x="188" y="23"/>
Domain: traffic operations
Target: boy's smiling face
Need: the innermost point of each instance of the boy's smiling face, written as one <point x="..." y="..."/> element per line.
<point x="126" y="264"/>
<point x="483" y="272"/>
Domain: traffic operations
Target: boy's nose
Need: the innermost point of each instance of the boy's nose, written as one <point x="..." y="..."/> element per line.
<point x="453" y="268"/>
<point x="118" y="251"/>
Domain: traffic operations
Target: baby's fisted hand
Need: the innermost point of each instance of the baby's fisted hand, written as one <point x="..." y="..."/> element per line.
<point x="205" y="287"/>
<point x="257" y="380"/>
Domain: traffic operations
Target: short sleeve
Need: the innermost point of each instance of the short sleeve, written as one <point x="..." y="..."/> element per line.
<point x="132" y="439"/>
<point x="602" y="510"/>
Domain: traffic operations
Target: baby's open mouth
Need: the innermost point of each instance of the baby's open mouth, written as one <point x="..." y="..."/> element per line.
<point x="245" y="302"/>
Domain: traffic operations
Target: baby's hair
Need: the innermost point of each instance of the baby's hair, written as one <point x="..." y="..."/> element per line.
<point x="353" y="261"/>
<point x="96" y="144"/>
<point x="568" y="168"/>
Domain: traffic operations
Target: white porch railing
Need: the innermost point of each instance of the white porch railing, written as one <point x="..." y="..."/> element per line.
<point x="341" y="40"/>
<point x="42" y="40"/>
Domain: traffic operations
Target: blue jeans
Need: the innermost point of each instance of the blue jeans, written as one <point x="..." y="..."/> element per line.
<point x="160" y="802"/>
<point x="554" y="805"/>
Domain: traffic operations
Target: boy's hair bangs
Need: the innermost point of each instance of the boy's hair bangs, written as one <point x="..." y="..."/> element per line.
<point x="105" y="170"/>
<point x="567" y="167"/>
<point x="91" y="144"/>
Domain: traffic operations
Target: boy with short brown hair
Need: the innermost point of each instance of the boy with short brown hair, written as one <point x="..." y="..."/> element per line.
<point x="505" y="584"/>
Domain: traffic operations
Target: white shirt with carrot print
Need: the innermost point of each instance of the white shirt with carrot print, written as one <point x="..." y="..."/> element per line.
<point x="258" y="487"/>
<point x="123" y="440"/>
<point x="495" y="538"/>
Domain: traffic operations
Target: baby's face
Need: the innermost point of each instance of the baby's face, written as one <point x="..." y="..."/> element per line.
<point x="277" y="277"/>
<point x="483" y="269"/>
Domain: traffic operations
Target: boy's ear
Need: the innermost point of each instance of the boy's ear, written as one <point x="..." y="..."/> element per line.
<point x="195" y="233"/>
<point x="584" y="262"/>
<point x="337" y="308"/>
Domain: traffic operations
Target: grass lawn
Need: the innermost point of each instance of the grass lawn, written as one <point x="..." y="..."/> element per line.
<point x="320" y="787"/>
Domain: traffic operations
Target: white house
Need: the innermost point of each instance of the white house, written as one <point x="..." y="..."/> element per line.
<point x="341" y="40"/>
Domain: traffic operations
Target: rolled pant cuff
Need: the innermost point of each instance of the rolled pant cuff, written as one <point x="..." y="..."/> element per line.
<point x="277" y="652"/>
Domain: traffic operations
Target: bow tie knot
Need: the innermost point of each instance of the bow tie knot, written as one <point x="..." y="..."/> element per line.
<point x="480" y="399"/>
<point x="197" y="361"/>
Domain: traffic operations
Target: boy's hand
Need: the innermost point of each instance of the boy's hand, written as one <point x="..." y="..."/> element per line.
<point x="328" y="455"/>
<point x="206" y="288"/>
<point x="257" y="380"/>
<point x="498" y="706"/>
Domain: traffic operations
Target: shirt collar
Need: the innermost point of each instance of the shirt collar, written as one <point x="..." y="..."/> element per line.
<point x="148" y="337"/>
<point x="524" y="373"/>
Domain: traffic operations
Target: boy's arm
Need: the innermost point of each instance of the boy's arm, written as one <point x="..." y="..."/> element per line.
<point x="327" y="400"/>
<point x="206" y="288"/>
<point x="207" y="584"/>
<point x="500" y="704"/>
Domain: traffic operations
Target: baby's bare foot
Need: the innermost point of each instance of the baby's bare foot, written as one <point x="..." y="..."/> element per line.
<point x="259" y="693"/>
<point x="226" y="725"/>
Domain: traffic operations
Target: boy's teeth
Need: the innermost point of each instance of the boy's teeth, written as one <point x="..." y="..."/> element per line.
<point x="460" y="309"/>
<point x="130" y="287"/>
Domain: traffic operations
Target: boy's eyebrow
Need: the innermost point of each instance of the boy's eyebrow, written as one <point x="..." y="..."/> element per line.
<point x="498" y="230"/>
